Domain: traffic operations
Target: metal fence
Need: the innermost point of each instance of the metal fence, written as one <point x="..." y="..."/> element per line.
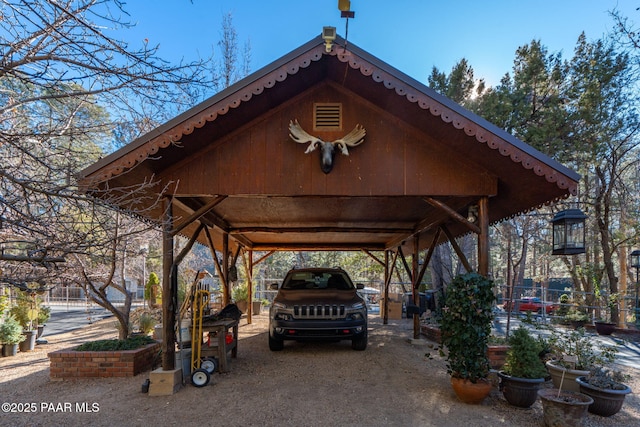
<point x="576" y="301"/>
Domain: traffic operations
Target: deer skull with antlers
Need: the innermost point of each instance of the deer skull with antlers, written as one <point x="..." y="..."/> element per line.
<point x="327" y="149"/>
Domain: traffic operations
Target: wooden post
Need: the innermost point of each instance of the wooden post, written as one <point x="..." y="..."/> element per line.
<point x="387" y="280"/>
<point x="225" y="267"/>
<point x="250" y="286"/>
<point x="168" y="308"/>
<point x="483" y="237"/>
<point x="415" y="285"/>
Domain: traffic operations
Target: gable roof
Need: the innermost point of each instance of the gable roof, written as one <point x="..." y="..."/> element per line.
<point x="233" y="151"/>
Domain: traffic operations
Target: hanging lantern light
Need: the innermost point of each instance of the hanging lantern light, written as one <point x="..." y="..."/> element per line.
<point x="568" y="232"/>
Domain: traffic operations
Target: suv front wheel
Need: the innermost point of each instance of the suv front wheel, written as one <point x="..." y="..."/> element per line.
<point x="360" y="343"/>
<point x="275" y="344"/>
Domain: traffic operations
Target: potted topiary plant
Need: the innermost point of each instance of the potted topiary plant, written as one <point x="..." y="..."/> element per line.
<point x="604" y="325"/>
<point x="606" y="388"/>
<point x="576" y="318"/>
<point x="25" y="312"/>
<point x="44" y="314"/>
<point x="524" y="371"/>
<point x="240" y="295"/>
<point x="573" y="355"/>
<point x="466" y="326"/>
<point x="10" y="335"/>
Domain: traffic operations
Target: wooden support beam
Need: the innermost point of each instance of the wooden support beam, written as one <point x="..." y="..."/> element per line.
<point x="483" y="237"/>
<point x="168" y="309"/>
<point x="210" y="220"/>
<point x="216" y="261"/>
<point x="429" y="254"/>
<point x="453" y="214"/>
<point x="247" y="258"/>
<point x="225" y="268"/>
<point x="263" y="257"/>
<point x="183" y="253"/>
<point x="197" y="214"/>
<point x="372" y="256"/>
<point x="407" y="269"/>
<point x="415" y="285"/>
<point x="456" y="248"/>
<point x="388" y="272"/>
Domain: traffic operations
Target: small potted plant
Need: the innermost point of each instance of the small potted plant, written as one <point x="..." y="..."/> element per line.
<point x="10" y="335"/>
<point x="25" y="312"/>
<point x="607" y="389"/>
<point x="524" y="371"/>
<point x="576" y="318"/>
<point x="466" y="327"/>
<point x="146" y="323"/>
<point x="603" y="324"/>
<point x="44" y="314"/>
<point x="240" y="295"/>
<point x="573" y="355"/>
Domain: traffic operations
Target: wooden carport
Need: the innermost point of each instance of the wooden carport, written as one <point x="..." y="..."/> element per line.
<point x="232" y="178"/>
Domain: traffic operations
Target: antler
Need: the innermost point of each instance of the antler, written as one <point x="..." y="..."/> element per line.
<point x="352" y="139"/>
<point x="300" y="136"/>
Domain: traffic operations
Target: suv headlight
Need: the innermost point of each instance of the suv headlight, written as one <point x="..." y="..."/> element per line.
<point x="356" y="316"/>
<point x="358" y="306"/>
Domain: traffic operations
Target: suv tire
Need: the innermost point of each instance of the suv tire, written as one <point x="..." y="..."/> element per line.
<point x="275" y="344"/>
<point x="360" y="344"/>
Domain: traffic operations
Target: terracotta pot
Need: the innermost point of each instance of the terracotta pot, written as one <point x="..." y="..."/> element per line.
<point x="242" y="306"/>
<point x="606" y="402"/>
<point x="566" y="377"/>
<point x="566" y="408"/>
<point x="469" y="392"/>
<point x="520" y="392"/>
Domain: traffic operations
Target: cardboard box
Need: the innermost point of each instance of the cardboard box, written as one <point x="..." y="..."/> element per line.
<point x="395" y="309"/>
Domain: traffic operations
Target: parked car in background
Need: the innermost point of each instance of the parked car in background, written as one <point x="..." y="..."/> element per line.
<point x="532" y="304"/>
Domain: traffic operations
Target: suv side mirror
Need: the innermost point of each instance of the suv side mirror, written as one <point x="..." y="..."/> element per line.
<point x="273" y="287"/>
<point x="359" y="286"/>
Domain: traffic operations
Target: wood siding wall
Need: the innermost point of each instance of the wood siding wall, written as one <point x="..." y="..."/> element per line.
<point x="260" y="158"/>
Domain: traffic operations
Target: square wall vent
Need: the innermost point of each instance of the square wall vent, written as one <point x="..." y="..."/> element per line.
<point x="327" y="116"/>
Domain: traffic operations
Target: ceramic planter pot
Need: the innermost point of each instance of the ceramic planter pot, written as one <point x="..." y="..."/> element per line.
<point x="520" y="392"/>
<point x="564" y="408"/>
<point x="604" y="328"/>
<point x="469" y="392"/>
<point x="9" y="350"/>
<point x="30" y="341"/>
<point x="606" y="402"/>
<point x="565" y="377"/>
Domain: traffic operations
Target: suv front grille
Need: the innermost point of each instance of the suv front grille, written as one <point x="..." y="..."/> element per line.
<point x="328" y="311"/>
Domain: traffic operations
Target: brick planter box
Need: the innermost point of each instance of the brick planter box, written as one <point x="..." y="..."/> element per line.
<point x="497" y="355"/>
<point x="432" y="333"/>
<point x="87" y="364"/>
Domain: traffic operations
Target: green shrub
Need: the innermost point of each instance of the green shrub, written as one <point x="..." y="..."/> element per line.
<point x="146" y="323"/>
<point x="44" y="314"/>
<point x="466" y="326"/>
<point x="11" y="331"/>
<point x="523" y="357"/>
<point x="130" y="343"/>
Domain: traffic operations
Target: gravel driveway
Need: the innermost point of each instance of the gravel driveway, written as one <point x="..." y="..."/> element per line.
<point x="393" y="383"/>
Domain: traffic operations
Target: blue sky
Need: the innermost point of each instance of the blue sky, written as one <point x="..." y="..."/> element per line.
<point x="411" y="35"/>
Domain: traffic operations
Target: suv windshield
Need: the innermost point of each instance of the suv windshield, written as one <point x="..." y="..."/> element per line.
<point x="317" y="280"/>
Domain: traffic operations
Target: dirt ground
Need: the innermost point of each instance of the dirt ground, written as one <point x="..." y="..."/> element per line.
<point x="394" y="382"/>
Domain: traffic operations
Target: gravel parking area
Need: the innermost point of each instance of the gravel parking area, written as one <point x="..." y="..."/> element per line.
<point x="394" y="382"/>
